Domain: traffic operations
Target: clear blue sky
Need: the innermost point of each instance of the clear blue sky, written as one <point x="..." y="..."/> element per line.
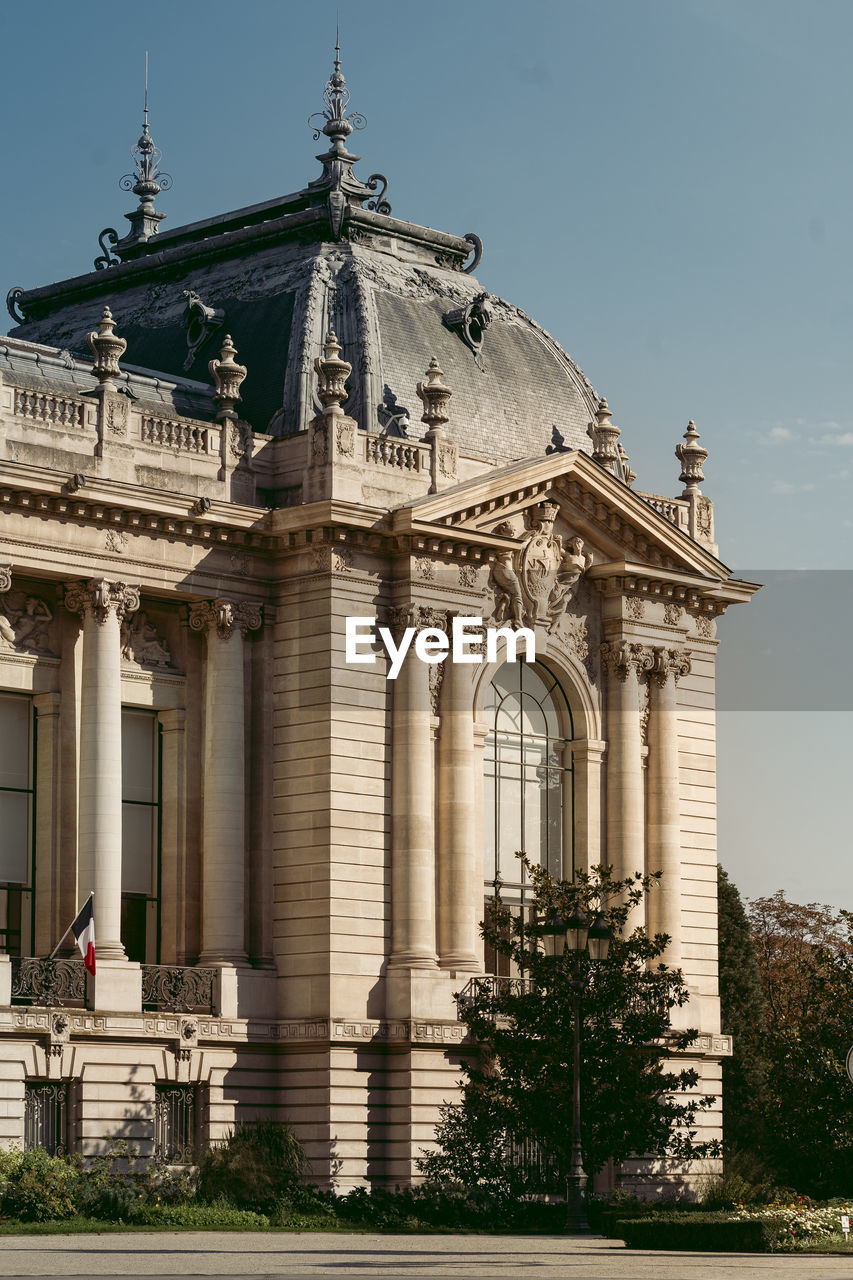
<point x="665" y="185"/>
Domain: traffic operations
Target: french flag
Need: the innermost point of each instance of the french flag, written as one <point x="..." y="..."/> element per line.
<point x="83" y="929"/>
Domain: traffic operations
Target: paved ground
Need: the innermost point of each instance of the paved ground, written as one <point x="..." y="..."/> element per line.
<point x="249" y="1256"/>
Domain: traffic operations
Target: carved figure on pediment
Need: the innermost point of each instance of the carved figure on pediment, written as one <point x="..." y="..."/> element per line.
<point x="575" y="562"/>
<point x="141" y="642"/>
<point x="509" y="602"/>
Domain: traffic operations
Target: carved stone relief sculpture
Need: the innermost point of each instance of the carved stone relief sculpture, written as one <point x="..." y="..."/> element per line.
<point x="25" y="624"/>
<point x="534" y="586"/>
<point x="142" y="644"/>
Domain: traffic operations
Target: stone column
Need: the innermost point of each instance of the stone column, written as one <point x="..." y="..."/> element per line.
<point x="625" y="834"/>
<point x="223" y="826"/>
<point x="585" y="757"/>
<point x="413" y="834"/>
<point x="664" y="808"/>
<point x="49" y="924"/>
<point x="102" y="604"/>
<point x="460" y="855"/>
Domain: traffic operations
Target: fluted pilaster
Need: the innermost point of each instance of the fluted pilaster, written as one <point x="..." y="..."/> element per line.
<point x="223" y="924"/>
<point x="413" y="875"/>
<point x="460" y="869"/>
<point x="664" y="806"/>
<point x="625" y="806"/>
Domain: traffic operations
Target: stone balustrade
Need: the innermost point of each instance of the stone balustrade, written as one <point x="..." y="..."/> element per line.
<point x="675" y="510"/>
<point x="387" y="451"/>
<point x="178" y="434"/>
<point x="49" y="409"/>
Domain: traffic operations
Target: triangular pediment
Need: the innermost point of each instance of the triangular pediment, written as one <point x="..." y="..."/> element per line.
<point x="618" y="525"/>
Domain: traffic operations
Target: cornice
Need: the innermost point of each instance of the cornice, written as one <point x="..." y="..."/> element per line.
<point x="620" y="577"/>
<point x="37" y="491"/>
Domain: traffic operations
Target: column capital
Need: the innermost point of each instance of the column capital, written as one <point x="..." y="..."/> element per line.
<point x="223" y="617"/>
<point x="5" y="577"/>
<point x="421" y="617"/>
<point x="100" y="597"/>
<point x="666" y="663"/>
<point x="621" y="656"/>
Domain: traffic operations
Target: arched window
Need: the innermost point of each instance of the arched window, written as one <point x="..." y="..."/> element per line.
<point x="528" y="781"/>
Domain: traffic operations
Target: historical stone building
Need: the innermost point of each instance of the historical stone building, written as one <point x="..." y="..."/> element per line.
<point x="200" y="483"/>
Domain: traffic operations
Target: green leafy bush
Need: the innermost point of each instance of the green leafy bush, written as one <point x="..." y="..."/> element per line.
<point x="256" y="1166"/>
<point x="117" y="1186"/>
<point x="303" y="1207"/>
<point x="696" y="1231"/>
<point x="219" y="1216"/>
<point x="37" y="1187"/>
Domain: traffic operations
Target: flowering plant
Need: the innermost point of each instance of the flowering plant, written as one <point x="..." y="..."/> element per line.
<point x="797" y="1222"/>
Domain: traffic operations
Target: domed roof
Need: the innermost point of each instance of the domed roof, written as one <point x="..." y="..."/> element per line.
<point x="277" y="276"/>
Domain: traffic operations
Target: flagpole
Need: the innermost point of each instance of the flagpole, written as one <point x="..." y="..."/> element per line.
<point x="68" y="930"/>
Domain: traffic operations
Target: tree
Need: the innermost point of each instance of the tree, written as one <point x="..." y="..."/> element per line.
<point x="805" y="957"/>
<point x="637" y="1099"/>
<point x="743" y="1012"/>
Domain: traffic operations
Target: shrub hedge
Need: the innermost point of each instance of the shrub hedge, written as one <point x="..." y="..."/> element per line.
<point x="698" y="1232"/>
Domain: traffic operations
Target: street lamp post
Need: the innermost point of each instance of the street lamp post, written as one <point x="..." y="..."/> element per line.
<point x="580" y="937"/>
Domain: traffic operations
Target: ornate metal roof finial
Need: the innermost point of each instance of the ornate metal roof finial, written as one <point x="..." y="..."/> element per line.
<point x="332" y="374"/>
<point x="338" y="125"/>
<point x="107" y="350"/>
<point x="337" y="184"/>
<point x="146" y="182"/>
<point x="691" y="456"/>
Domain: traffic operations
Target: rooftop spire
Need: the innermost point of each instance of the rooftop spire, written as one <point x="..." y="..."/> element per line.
<point x="338" y="186"/>
<point x="146" y="182"/>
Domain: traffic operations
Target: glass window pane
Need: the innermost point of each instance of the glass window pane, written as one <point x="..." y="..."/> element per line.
<point x="534" y="815"/>
<point x="507" y="679"/>
<point x="509" y="821"/>
<point x="552" y="719"/>
<point x="556" y="780"/>
<point x="15" y="807"/>
<point x="138" y="832"/>
<point x="509" y="715"/>
<point x="137" y="755"/>
<point x="535" y="681"/>
<point x="489" y="819"/>
<point x="15" y="721"/>
<point x="532" y="718"/>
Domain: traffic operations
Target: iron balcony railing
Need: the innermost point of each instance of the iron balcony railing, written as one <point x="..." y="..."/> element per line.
<point x="48" y="982"/>
<point x="178" y="989"/>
